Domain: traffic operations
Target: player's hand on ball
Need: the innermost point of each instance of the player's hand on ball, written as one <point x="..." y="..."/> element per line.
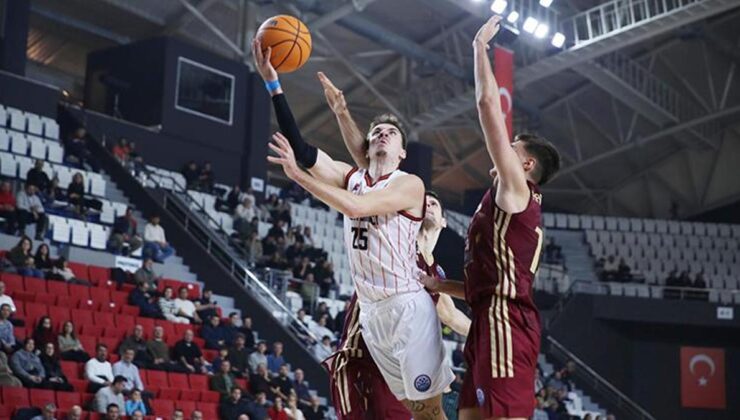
<point x="262" y="62"/>
<point x="488" y="31"/>
<point x="285" y="156"/>
<point x="334" y="96"/>
<point x="431" y="283"/>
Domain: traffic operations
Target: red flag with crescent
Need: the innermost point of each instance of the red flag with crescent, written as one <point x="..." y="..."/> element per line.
<point x="503" y="69"/>
<point x="703" y="377"/>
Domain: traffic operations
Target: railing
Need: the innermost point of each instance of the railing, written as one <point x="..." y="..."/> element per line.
<point x="588" y="376"/>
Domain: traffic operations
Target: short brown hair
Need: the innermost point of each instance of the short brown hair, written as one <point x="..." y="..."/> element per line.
<point x="545" y="153"/>
<point x="387" y="119"/>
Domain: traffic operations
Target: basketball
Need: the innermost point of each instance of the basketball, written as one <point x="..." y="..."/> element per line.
<point x="290" y="41"/>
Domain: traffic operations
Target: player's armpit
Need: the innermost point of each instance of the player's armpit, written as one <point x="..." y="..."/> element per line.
<point x="451" y="316"/>
<point x="405" y="193"/>
<point x="330" y="171"/>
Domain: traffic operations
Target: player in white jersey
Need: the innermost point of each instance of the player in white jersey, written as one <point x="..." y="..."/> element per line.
<point x="383" y="209"/>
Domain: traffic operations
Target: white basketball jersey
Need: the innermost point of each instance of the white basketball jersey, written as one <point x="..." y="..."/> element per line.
<point x="382" y="248"/>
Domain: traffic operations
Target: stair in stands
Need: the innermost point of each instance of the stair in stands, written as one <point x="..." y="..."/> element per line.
<point x="578" y="259"/>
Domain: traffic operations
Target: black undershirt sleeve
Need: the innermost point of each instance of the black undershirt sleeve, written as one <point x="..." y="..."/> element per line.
<point x="305" y="153"/>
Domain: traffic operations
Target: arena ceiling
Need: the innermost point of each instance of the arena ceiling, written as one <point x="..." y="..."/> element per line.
<point x="644" y="110"/>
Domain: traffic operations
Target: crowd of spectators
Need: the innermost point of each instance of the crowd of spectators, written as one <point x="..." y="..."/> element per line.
<point x="23" y="261"/>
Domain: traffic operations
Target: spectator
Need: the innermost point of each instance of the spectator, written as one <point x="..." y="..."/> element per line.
<point x="321" y="310"/>
<point x="43" y="333"/>
<point x="169" y="308"/>
<point x="196" y="415"/>
<point x="254" y="248"/>
<point x="301" y="388"/>
<point x="137" y="343"/>
<point x="282" y="385"/>
<point x="295" y="252"/>
<point x="246" y="330"/>
<point x="223" y="354"/>
<point x="206" y="306"/>
<point x="206" y="178"/>
<point x="31" y="210"/>
<point x="28" y="368"/>
<point x="76" y="195"/>
<point x="239" y="357"/>
<point x="555" y="382"/>
<point x="146" y="274"/>
<point x="7" y="379"/>
<point x="215" y="334"/>
<point x="178" y="415"/>
<point x="53" y="369"/>
<point x="75" y="413"/>
<point x="112" y="412"/>
<point x="189" y="355"/>
<point x="99" y="370"/>
<point x="53" y="193"/>
<point x="323" y="350"/>
<point x="127" y="369"/>
<point x="42" y="260"/>
<point x="191" y="172"/>
<point x="303" y="268"/>
<point x="155" y="242"/>
<point x="5" y="299"/>
<point x="8" y="206"/>
<point x="277" y="411"/>
<point x="37" y="177"/>
<point x="20" y="256"/>
<point x="610" y="270"/>
<point x="76" y="153"/>
<point x="234" y="407"/>
<point x="185" y="307"/>
<point x="261" y="382"/>
<point x="121" y="152"/>
<point x="135" y="161"/>
<point x="325" y="277"/>
<point x="135" y="403"/>
<point x="292" y="410"/>
<point x="124" y="238"/>
<point x="47" y="413"/>
<point x="159" y="353"/>
<point x="233" y="327"/>
<point x="269" y="207"/>
<point x="223" y="382"/>
<point x="303" y="323"/>
<point x="258" y="357"/>
<point x="145" y="301"/>
<point x="553" y="252"/>
<point x="320" y="328"/>
<point x="315" y="411"/>
<point x="309" y="289"/>
<point x="624" y="272"/>
<point x="243" y="214"/>
<point x="277" y="230"/>
<point x="275" y="359"/>
<point x="308" y="237"/>
<point x="341" y="315"/>
<point x="70" y="347"/>
<point x="233" y="198"/>
<point x="110" y="395"/>
<point x="61" y="271"/>
<point x="7" y="336"/>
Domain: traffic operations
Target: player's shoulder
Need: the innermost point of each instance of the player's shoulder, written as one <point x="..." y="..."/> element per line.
<point x="398" y="176"/>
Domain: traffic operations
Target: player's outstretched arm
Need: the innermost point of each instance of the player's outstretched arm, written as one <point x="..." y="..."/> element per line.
<point x="451" y="316"/>
<point x="353" y="137"/>
<point x="449" y="287"/>
<point x="512" y="179"/>
<point x="315" y="160"/>
<point x="405" y="193"/>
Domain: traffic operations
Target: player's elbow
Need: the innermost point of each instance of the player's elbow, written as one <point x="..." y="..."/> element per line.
<point x="487" y="101"/>
<point x="353" y="211"/>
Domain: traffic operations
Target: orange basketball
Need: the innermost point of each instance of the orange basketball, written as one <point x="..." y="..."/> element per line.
<point x="290" y="42"/>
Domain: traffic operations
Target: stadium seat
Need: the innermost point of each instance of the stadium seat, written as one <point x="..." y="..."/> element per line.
<point x="55" y="152"/>
<point x="186" y="406"/>
<point x="164" y="408"/>
<point x="58" y="288"/>
<point x="38" y="147"/>
<point x="210" y="410"/>
<point x="41" y="397"/>
<point x="197" y="381"/>
<point x="18" y="396"/>
<point x="81" y="317"/>
<point x="4" y="138"/>
<point x="13" y="282"/>
<point x="51" y="128"/>
<point x="58" y="315"/>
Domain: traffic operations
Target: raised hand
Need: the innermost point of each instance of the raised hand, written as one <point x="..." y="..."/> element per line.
<point x="262" y="61"/>
<point x="487" y="31"/>
<point x="334" y="96"/>
<point x="285" y="156"/>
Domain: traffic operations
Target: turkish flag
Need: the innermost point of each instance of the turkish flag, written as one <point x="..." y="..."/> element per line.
<point x="503" y="69"/>
<point x="703" y="377"/>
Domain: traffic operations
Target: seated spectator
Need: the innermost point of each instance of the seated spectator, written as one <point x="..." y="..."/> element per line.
<point x="155" y="242"/>
<point x="206" y="179"/>
<point x="232" y="326"/>
<point x="75" y="413"/>
<point x="223" y="381"/>
<point x="215" y="334"/>
<point x="27" y="367"/>
<point x="269" y="208"/>
<point x="185" y="307"/>
<point x="135" y="161"/>
<point x="8" y="206"/>
<point x="277" y="411"/>
<point x="42" y="260"/>
<point x="135" y="403"/>
<point x="70" y="347"/>
<point x="206" y="306"/>
<point x="282" y="385"/>
<point x="168" y="307"/>
<point x="275" y="360"/>
<point x="76" y="194"/>
<point x="5" y="299"/>
<point x="127" y="369"/>
<point x="610" y="270"/>
<point x="309" y="289"/>
<point x="234" y="407"/>
<point x="196" y="415"/>
<point x="254" y="248"/>
<point x="30" y="209"/>
<point x="243" y="214"/>
<point x="223" y="354"/>
<point x="53" y="369"/>
<point x="553" y="252"/>
<point x="321" y="310"/>
<point x="301" y="388"/>
<point x="303" y="268"/>
<point x="292" y="408"/>
<point x="8" y="343"/>
<point x="120" y="151"/>
<point x="258" y="357"/>
<point x="43" y="333"/>
<point x="47" y="412"/>
<point x="246" y="330"/>
<point x="624" y="272"/>
<point x="124" y="238"/>
<point x="142" y="298"/>
<point x="191" y="172"/>
<point x="189" y="355"/>
<point x="261" y="382"/>
<point x="7" y="379"/>
<point x="315" y="411"/>
<point x="295" y="253"/>
<point x="458" y="357"/>
<point x="323" y="349"/>
<point x="99" y="370"/>
<point x="22" y="259"/>
<point x="324" y="275"/>
<point x="53" y="193"/>
<point x="233" y="198"/>
<point x="321" y="328"/>
<point x="113" y="412"/>
<point x="37" y="177"/>
<point x="308" y="237"/>
<point x="63" y="272"/>
<point x="239" y="357"/>
<point x="555" y="382"/>
<point x="303" y="323"/>
<point x="77" y="153"/>
<point x="138" y="344"/>
<point x="159" y="353"/>
<point x="110" y="395"/>
<point x="277" y="230"/>
<point x="146" y="274"/>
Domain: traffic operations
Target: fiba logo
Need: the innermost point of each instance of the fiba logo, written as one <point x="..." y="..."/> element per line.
<point x="481" y="396"/>
<point x="423" y="383"/>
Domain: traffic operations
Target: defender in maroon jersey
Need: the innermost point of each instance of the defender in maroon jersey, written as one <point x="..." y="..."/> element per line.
<point x="358" y="389"/>
<point x="502" y="254"/>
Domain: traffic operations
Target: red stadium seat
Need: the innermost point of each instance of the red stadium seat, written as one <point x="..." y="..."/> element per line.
<point x="210" y="396"/>
<point x="88" y="343"/>
<point x="157" y="379"/>
<point x="178" y="380"/>
<point x="168" y="394"/>
<point x="167" y="326"/>
<point x="114" y="332"/>
<point x="100" y="295"/>
<point x="130" y="310"/>
<point x="41" y="397"/>
<point x="34" y="311"/>
<point x="210" y="410"/>
<point x="98" y="275"/>
<point x="243" y="384"/>
<point x="210" y="354"/>
<point x="80" y="270"/>
<point x="164" y="408"/>
<point x="180" y="330"/>
<point x="77" y="290"/>
<point x="147" y="323"/>
<point x="13" y="282"/>
<point x="199" y="382"/>
<point x="17" y="397"/>
<point x="119" y="298"/>
<point x="92" y="330"/>
<point x="125" y="322"/>
<point x="189" y="394"/>
<point x="57" y="288"/>
<point x="104" y="318"/>
<point x="186" y="406"/>
<point x="58" y="315"/>
<point x="44" y="298"/>
<point x="70" y="369"/>
<point x="111" y="343"/>
<point x="81" y="317"/>
<point x="65" y="400"/>
<point x="66" y="301"/>
<point x="95" y="416"/>
<point x="34" y="285"/>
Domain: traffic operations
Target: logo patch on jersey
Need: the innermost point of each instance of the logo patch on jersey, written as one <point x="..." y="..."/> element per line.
<point x="422" y="383"/>
<point x="441" y="273"/>
<point x="538" y="198"/>
<point x="481" y="396"/>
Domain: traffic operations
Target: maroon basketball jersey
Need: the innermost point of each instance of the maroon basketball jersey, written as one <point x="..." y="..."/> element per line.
<point x="434" y="270"/>
<point x="502" y="251"/>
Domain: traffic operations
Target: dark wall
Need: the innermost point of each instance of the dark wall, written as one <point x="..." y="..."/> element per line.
<point x="28" y="95"/>
<point x="14" y="35"/>
<point x="419" y="161"/>
<point x="635" y="344"/>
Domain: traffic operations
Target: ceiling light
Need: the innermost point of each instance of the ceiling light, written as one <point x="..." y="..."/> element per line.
<point x="513" y="16"/>
<point x="530" y="24"/>
<point x="498" y="6"/>
<point x="541" y="30"/>
<point x="545" y="3"/>
<point x="558" y="40"/>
